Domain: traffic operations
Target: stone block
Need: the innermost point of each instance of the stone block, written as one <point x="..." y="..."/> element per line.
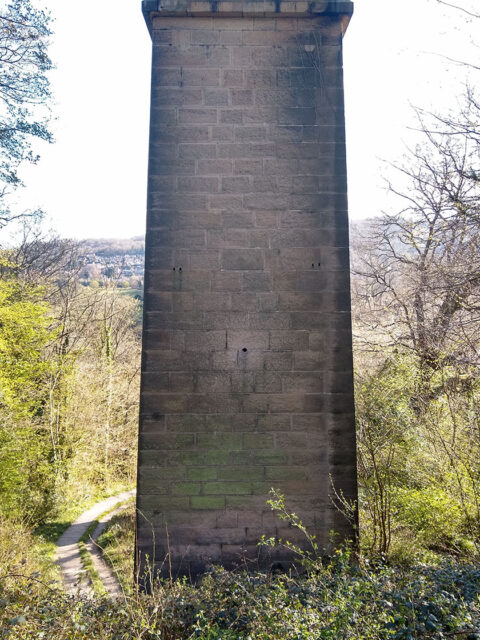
<point x="243" y="302"/>
<point x="256" y="281"/>
<point x="166" y="441"/>
<point x="214" y="167"/>
<point x="207" y="502"/>
<point x="208" y="403"/>
<point x="246" y="150"/>
<point x="255" y="441"/>
<point x="186" y="488"/>
<point x="200" y="115"/>
<point x="204" y="36"/>
<point x="225" y="202"/>
<point x="259" y="237"/>
<point x="196" y="151"/>
<point x="185" y="423"/>
<point x="241" y="259"/>
<point x="266" y="184"/>
<point x="215" y="301"/>
<point x="227" y="519"/>
<point x="248" y="340"/>
<point x="193" y="56"/>
<point x="278" y="361"/>
<point x="238" y="220"/>
<point x="267" y="382"/>
<point x="232" y="77"/>
<point x="236" y="185"/>
<point x="213" y="383"/>
<point x="231" y="116"/>
<point x="281" y="473"/>
<point x="309" y="383"/>
<point x="177" y="97"/>
<point x="216" y="97"/>
<point x="268" y="321"/>
<point x="231" y="37"/>
<point x="199" y="77"/>
<point x="218" y="458"/>
<point x="175" y="166"/>
<point x="267" y="301"/>
<point x="190" y="184"/>
<point x="158" y="504"/>
<point x="226" y="488"/>
<point x="296" y="116"/>
<point x="296" y="98"/>
<point x="224" y="442"/>
<point x="223" y="133"/>
<point x="230" y="282"/>
<point x="241" y="97"/>
<point x="251" y="134"/>
<point x="225" y="320"/>
<point x="266" y="201"/>
<point x="162" y="77"/>
<point x="289" y="340"/>
<point x="248" y="167"/>
<point x="216" y="423"/>
<point x="201" y="473"/>
<point x="286" y="133"/>
<point x="280" y="167"/>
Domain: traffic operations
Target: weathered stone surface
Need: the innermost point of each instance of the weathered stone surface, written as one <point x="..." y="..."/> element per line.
<point x="247" y="359"/>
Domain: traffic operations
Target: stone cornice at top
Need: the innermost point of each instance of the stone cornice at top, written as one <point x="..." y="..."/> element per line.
<point x="245" y="8"/>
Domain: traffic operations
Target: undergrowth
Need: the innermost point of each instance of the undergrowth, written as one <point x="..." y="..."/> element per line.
<point x="335" y="600"/>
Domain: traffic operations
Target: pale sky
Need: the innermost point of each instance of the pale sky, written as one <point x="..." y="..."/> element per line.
<point x="92" y="182"/>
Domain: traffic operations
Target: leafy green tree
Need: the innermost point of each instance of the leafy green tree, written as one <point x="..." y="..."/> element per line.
<point x="24" y="334"/>
<point x="26" y="476"/>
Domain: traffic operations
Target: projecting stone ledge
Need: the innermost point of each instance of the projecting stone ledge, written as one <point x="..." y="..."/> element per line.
<point x="245" y="8"/>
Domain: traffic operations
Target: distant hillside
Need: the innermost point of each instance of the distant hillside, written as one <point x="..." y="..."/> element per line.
<point x="114" y="246"/>
<point x="120" y="260"/>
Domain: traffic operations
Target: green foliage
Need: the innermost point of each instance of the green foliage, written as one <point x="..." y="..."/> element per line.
<point x="331" y="600"/>
<point x="68" y="394"/>
<point x="418" y="450"/>
<point x="26" y="475"/>
<point x="385" y="440"/>
<point x="339" y="601"/>
<point x="24" y="334"/>
<point x="435" y="516"/>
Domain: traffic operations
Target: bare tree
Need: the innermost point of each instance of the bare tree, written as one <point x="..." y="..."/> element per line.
<point x="459" y="7"/>
<point x="24" y="93"/>
<point x="417" y="272"/>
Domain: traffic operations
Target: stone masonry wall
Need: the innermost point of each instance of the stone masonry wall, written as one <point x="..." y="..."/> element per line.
<point x="247" y="363"/>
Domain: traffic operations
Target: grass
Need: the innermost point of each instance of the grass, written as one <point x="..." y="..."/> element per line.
<point x="86" y="557"/>
<point x="117" y="542"/>
<point x="95" y="579"/>
<point x="45" y="536"/>
<point x="69" y="511"/>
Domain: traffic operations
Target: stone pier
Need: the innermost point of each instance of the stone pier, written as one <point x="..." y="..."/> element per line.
<point x="247" y="354"/>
